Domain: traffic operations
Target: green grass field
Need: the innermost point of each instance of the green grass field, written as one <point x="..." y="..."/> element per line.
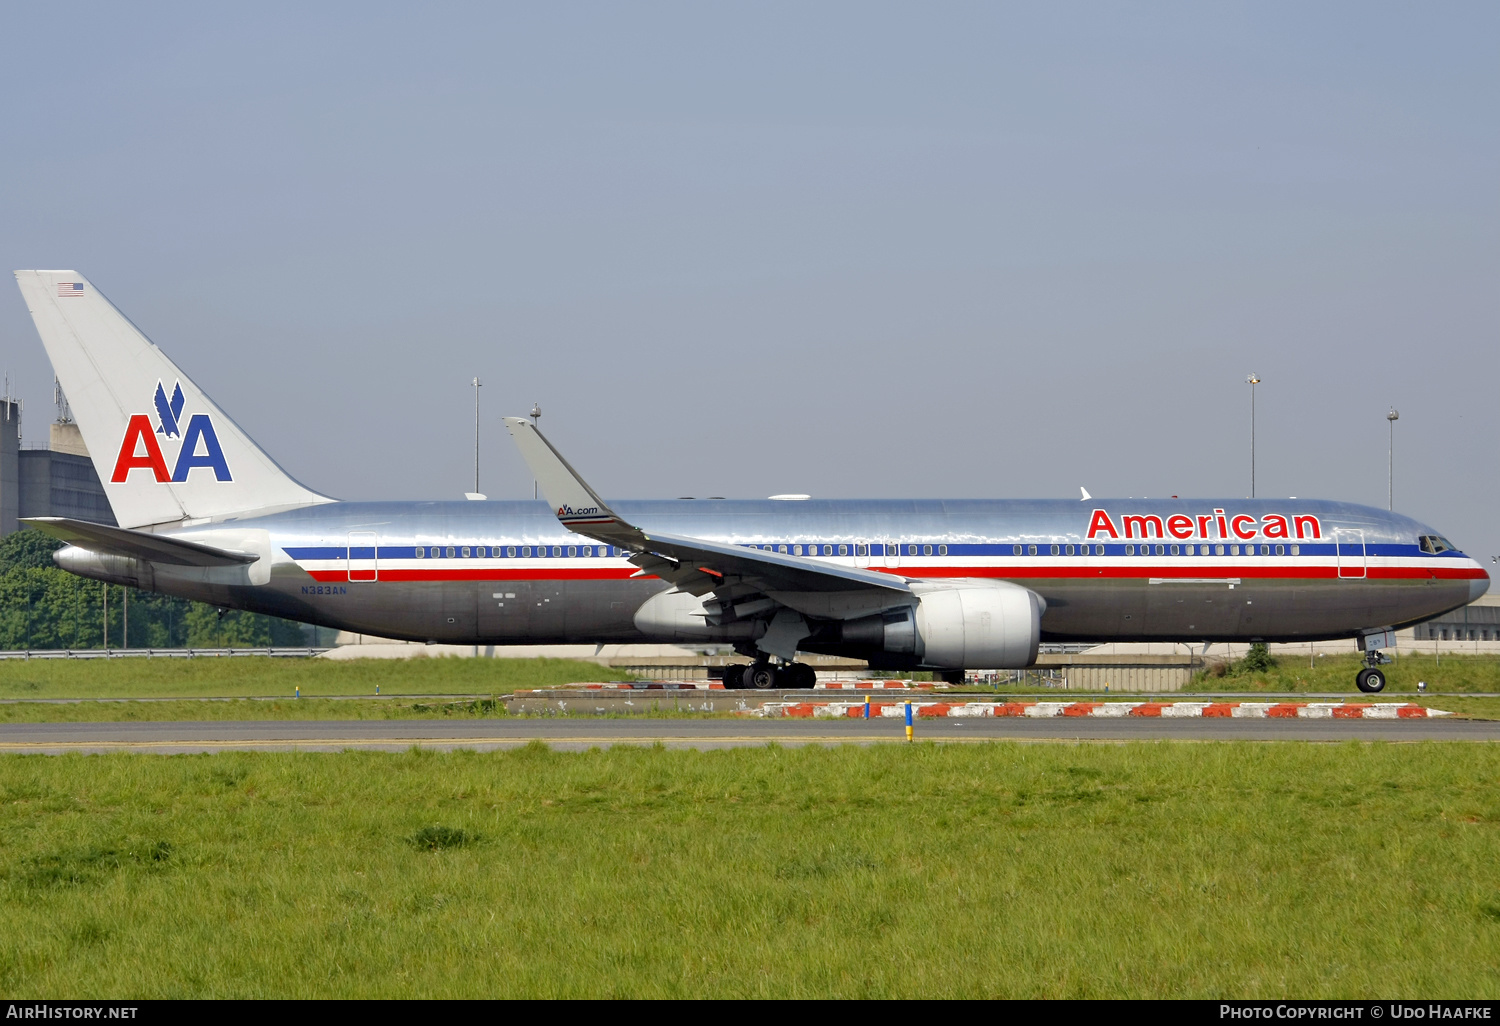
<point x="260" y="676"/>
<point x="1450" y="674"/>
<point x="1156" y="869"/>
<point x="138" y="711"/>
<point x="26" y="685"/>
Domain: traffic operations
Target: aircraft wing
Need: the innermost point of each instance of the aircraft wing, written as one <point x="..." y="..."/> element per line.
<point x="695" y="565"/>
<point x="120" y="541"/>
<point x="774" y="571"/>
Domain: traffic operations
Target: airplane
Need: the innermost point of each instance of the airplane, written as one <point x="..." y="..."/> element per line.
<point x="909" y="585"/>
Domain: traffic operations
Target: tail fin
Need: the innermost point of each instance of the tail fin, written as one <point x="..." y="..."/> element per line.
<point x="164" y="451"/>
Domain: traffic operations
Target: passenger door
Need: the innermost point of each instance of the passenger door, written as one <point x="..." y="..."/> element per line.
<point x="1350" y="545"/>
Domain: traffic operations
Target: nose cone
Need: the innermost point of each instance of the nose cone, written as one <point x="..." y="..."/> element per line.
<point x="1479" y="585"/>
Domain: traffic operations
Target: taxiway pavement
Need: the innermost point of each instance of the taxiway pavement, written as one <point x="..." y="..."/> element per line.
<point x="567" y="733"/>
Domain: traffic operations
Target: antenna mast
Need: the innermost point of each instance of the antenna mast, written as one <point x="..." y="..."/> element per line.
<point x="477" y="383"/>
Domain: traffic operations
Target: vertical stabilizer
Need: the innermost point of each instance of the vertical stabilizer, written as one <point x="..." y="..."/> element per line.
<point x="164" y="450"/>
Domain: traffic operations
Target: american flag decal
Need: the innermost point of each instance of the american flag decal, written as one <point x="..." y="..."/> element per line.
<point x="69" y="288"/>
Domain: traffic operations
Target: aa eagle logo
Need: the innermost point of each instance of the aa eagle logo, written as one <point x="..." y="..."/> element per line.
<point x="139" y="449"/>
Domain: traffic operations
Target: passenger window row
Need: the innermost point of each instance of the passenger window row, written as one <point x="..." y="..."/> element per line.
<point x="844" y="550"/>
<point x="511" y="551"/>
<point x="1162" y="550"/>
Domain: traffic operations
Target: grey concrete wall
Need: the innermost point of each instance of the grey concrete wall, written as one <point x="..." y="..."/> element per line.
<point x="59" y="484"/>
<point x="1136" y="672"/>
<point x="65" y="437"/>
<point x="1141" y="679"/>
<point x="10" y="470"/>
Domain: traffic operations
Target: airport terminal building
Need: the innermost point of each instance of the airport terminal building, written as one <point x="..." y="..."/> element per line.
<point x="1478" y="621"/>
<point x="55" y="480"/>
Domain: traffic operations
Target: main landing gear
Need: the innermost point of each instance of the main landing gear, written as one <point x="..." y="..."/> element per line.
<point x="1371" y="679"/>
<point x="763" y="676"/>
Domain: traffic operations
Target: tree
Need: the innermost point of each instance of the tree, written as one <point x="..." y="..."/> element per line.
<point x="43" y="607"/>
<point x="238" y="629"/>
<point x="27" y="548"/>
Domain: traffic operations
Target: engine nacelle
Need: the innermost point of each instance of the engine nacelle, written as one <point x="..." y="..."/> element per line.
<point x="988" y="625"/>
<point x="678" y="616"/>
<point x="103" y="566"/>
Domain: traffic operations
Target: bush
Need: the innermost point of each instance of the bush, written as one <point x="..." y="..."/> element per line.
<point x="1258" y="659"/>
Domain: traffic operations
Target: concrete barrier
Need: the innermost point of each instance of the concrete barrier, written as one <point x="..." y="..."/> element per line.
<point x="1047" y="710"/>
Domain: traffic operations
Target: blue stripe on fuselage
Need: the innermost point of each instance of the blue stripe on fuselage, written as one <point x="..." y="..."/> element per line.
<point x="955" y="549"/>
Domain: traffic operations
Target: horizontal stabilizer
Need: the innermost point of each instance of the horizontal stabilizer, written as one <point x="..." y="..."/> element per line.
<point x="118" y="541"/>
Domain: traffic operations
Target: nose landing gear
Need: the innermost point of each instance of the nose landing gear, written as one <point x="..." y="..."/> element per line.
<point x="1371" y="679"/>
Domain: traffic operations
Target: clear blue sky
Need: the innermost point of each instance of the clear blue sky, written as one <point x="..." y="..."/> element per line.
<point x="920" y="250"/>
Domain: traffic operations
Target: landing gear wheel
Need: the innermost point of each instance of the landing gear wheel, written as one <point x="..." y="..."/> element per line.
<point x="1370" y="680"/>
<point x="800" y="675"/>
<point x="761" y="676"/>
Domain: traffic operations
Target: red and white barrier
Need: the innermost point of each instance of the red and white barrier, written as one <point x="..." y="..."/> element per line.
<point x="1169" y="710"/>
<point x="877" y="685"/>
<point x="644" y="685"/>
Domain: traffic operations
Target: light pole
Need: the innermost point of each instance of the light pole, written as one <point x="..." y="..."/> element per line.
<point x="477" y="383"/>
<point x="536" y="418"/>
<point x="1252" y="381"/>
<point x="1390" y="461"/>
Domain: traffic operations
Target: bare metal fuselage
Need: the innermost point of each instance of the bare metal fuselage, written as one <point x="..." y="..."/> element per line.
<point x="510" y="573"/>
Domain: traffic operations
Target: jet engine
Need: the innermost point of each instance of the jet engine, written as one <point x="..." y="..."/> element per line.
<point x="984" y="626"/>
<point x="957" y="625"/>
<point x="679" y="616"/>
<point x="101" y="566"/>
<point x="953" y="625"/>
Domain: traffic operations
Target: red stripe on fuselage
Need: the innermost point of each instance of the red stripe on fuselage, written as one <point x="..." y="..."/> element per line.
<point x="481" y="574"/>
<point x="1210" y="575"/>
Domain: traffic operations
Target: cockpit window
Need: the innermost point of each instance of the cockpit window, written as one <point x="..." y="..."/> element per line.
<point x="1435" y="543"/>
